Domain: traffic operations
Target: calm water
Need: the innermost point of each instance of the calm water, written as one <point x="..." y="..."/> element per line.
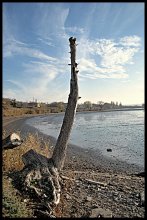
<point x="122" y="131"/>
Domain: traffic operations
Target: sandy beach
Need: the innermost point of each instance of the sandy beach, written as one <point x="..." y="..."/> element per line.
<point x="120" y="193"/>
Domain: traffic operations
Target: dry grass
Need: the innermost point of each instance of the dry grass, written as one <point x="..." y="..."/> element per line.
<point x="12" y="111"/>
<point x="12" y="158"/>
<point x="13" y="201"/>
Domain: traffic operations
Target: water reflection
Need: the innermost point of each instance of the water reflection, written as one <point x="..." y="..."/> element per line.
<point x="100" y="116"/>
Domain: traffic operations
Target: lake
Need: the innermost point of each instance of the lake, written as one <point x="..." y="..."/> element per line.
<point x="122" y="131"/>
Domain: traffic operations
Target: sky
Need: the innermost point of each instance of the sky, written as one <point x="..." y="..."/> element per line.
<point x="110" y="51"/>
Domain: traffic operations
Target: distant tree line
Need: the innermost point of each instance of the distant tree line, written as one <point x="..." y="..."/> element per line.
<point x="56" y="107"/>
<point x="88" y="105"/>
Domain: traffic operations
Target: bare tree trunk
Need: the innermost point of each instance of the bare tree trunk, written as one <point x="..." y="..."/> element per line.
<point x="61" y="145"/>
<point x="40" y="175"/>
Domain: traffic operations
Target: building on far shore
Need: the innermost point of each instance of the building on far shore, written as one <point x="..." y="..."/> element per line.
<point x="33" y="105"/>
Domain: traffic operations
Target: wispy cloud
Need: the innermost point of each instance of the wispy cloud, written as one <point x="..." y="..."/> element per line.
<point x="42" y="69"/>
<point x="16" y="90"/>
<point x="16" y="83"/>
<point x="41" y="72"/>
<point x="51" y="20"/>
<point x="112" y="56"/>
<point x="14" y="47"/>
<point x="47" y="41"/>
<point x="74" y="30"/>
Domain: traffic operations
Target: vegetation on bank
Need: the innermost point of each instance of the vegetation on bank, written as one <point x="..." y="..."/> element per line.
<point x="13" y="202"/>
<point x="12" y="158"/>
<point x="14" y="108"/>
<point x="13" y="111"/>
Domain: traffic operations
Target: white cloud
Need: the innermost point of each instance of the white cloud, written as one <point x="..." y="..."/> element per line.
<point x="118" y="75"/>
<point x="89" y="68"/>
<point x="112" y="56"/>
<point x="130" y="41"/>
<point x="118" y="56"/>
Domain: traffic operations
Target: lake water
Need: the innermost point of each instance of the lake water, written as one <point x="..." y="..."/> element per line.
<point x="122" y="131"/>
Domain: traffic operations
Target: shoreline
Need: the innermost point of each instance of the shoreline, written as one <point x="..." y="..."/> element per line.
<point x="118" y="191"/>
<point x="92" y="159"/>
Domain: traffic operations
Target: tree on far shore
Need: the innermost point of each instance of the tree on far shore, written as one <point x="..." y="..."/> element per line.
<point x="100" y="103"/>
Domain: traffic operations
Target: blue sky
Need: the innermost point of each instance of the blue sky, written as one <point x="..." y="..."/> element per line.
<point x="110" y="51"/>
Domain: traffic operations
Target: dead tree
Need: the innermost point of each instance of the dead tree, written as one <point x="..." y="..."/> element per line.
<point x="40" y="174"/>
<point x="61" y="145"/>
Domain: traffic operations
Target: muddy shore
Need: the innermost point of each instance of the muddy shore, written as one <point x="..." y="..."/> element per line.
<point x="115" y="193"/>
<point x="92" y="157"/>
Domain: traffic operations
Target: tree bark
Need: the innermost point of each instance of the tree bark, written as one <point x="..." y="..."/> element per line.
<point x="59" y="152"/>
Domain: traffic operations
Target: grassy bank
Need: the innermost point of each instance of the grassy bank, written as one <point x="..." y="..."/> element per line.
<point x="14" y="204"/>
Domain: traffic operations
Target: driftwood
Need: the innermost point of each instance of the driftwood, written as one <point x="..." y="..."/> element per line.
<point x="96" y="182"/>
<point x="142" y="174"/>
<point x="11" y="141"/>
<point x="67" y="178"/>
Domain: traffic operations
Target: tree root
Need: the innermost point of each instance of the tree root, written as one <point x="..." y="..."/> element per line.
<point x="41" y="178"/>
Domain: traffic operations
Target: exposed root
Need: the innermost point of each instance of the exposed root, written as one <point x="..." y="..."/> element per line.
<point x="45" y="184"/>
<point x="41" y="178"/>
